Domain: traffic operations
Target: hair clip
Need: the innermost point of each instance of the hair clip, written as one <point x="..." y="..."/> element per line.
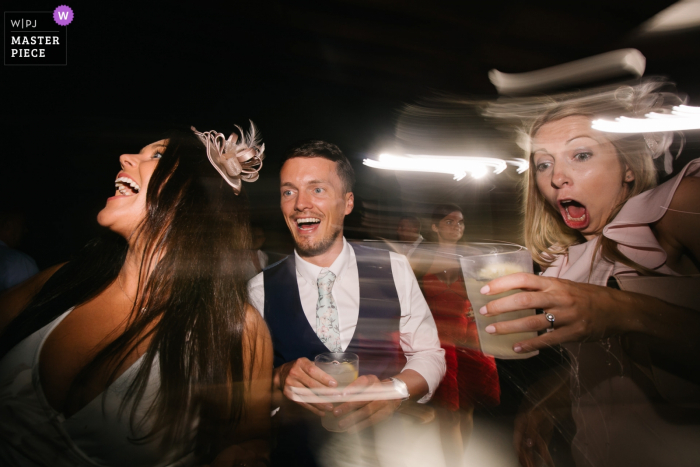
<point x="234" y="160"/>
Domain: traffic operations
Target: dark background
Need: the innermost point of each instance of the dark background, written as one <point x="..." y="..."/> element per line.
<point x="341" y="71"/>
<point x="333" y="70"/>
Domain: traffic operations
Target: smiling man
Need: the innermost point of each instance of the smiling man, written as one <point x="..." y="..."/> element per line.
<point x="374" y="309"/>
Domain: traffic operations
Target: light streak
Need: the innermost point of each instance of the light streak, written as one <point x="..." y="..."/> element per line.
<point x="606" y="65"/>
<point x="521" y="164"/>
<point x="681" y="15"/>
<point x="457" y="166"/>
<point x="682" y="117"/>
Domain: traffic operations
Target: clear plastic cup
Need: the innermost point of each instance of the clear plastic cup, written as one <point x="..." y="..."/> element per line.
<point x="343" y="367"/>
<point x="488" y="261"/>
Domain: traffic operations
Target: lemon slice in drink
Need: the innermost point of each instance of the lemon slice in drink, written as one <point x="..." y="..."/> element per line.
<point x="348" y="368"/>
<point x="495" y="270"/>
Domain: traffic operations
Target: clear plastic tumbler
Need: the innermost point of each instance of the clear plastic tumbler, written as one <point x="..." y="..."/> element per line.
<point x="343" y="367"/>
<point x="496" y="260"/>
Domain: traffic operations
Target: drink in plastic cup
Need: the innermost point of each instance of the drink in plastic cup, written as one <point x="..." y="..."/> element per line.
<point x="496" y="260"/>
<point x="343" y="367"/>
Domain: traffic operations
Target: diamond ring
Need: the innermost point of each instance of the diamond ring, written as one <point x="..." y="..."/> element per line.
<point x="550" y="317"/>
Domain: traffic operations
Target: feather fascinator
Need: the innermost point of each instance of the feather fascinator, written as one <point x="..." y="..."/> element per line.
<point x="235" y="160"/>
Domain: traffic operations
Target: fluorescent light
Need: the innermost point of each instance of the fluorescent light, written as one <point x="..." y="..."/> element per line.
<point x="521" y="164"/>
<point x="685" y="110"/>
<point x="457" y="166"/>
<point x="682" y="117"/>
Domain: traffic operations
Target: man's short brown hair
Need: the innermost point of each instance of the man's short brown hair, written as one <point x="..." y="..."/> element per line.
<point x="318" y="148"/>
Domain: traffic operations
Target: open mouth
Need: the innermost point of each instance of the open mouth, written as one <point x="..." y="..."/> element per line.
<point x="307" y="224"/>
<point x="574" y="213"/>
<point x="126" y="186"/>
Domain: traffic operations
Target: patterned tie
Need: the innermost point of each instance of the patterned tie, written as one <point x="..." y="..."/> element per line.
<point x="326" y="312"/>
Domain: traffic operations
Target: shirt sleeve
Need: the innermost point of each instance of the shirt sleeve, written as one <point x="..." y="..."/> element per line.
<point x="256" y="293"/>
<point x="419" y="338"/>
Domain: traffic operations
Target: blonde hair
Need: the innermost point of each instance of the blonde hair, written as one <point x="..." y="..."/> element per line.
<point x="546" y="234"/>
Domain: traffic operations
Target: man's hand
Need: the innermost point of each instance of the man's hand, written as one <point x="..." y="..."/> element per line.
<point x="360" y="415"/>
<point x="302" y="373"/>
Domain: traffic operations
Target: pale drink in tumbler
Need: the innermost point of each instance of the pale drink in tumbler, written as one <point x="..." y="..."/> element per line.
<point x="478" y="271"/>
<point x="343" y="367"/>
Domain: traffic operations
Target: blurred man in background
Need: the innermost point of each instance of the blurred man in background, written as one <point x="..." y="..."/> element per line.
<point x="408" y="232"/>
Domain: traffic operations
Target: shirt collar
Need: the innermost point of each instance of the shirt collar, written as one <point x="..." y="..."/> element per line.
<point x="418" y="240"/>
<point x="310" y="272"/>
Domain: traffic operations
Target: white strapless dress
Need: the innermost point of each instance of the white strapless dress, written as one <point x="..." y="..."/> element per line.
<point x="32" y="433"/>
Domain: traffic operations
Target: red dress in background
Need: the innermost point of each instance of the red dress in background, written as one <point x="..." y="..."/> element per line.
<point x="471" y="376"/>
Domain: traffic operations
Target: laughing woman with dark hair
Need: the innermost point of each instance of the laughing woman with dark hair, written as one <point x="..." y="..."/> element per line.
<point x="143" y="350"/>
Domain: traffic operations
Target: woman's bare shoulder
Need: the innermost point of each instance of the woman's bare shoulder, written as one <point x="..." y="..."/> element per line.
<point x="14" y="300"/>
<point x="687" y="193"/>
<point x="685" y="204"/>
<point x="257" y="343"/>
<point x="255" y="326"/>
<point x="679" y="226"/>
<point x="252" y="316"/>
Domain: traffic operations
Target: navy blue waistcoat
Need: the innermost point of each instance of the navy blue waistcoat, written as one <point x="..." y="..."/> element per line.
<point x="376" y="339"/>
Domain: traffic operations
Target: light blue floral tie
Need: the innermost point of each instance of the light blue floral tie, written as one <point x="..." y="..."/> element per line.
<point x="327" y="328"/>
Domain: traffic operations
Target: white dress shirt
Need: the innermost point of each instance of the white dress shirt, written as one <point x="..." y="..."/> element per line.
<point x="410" y="248"/>
<point x="419" y="339"/>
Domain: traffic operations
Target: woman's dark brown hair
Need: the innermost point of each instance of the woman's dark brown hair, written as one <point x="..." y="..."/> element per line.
<point x="192" y="305"/>
<point x="443" y="210"/>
